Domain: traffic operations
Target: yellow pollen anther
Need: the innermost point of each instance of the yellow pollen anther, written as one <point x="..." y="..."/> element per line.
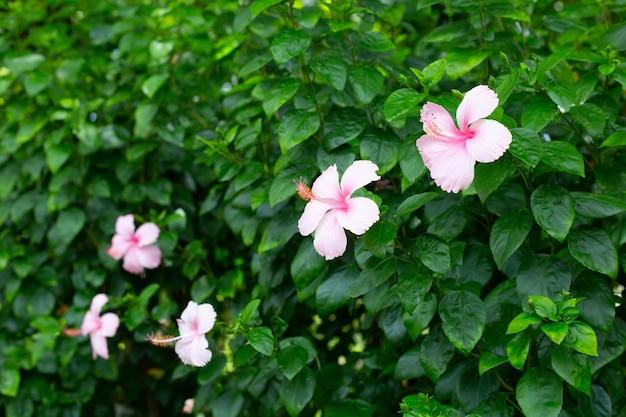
<point x="160" y="340"/>
<point x="431" y="128"/>
<point x="304" y="192"/>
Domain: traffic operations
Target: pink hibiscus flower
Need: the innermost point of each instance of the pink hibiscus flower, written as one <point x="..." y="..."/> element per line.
<point x="330" y="208"/>
<point x="450" y="153"/>
<point x="99" y="327"/>
<point x="191" y="345"/>
<point x="135" y="246"/>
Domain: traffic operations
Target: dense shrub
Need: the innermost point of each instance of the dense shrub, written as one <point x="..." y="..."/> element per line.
<point x="501" y="299"/>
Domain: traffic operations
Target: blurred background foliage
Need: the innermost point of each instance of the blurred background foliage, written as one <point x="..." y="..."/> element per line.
<point x="198" y="116"/>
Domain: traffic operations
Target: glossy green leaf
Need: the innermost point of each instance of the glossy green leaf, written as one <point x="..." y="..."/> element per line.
<point x="615" y="139"/>
<point x="24" y="63"/>
<point x="262" y="340"/>
<point x="334" y="293"/>
<point x="597" y="205"/>
<point x="297" y="392"/>
<point x="526" y="146"/>
<point x="435" y="353"/>
<point x="144" y="114"/>
<point x="401" y="104"/>
<point x="291" y="360"/>
<point x="343" y="126"/>
<point x="411" y="163"/>
<point x="463" y="319"/>
<point x="573" y="367"/>
<point x="379" y="237"/>
<point x="152" y="84"/>
<point x="539" y="393"/>
<point x="563" y="156"/>
<point x="306" y="265"/>
<point x="420" y="317"/>
<point x="553" y="210"/>
<point x="543" y="306"/>
<point x="432" y="73"/>
<point x="593" y="248"/>
<point x="434" y="253"/>
<point x="414" y="202"/>
<point x="488" y="177"/>
<point x="332" y="70"/>
<point x="582" y="338"/>
<point x="591" y="117"/>
<point x="539" y="111"/>
<point x="296" y="126"/>
<point x="461" y="61"/>
<point x="375" y="41"/>
<point x="348" y="408"/>
<point x="259" y="5"/>
<point x="375" y="272"/>
<point x="508" y="233"/>
<point x="555" y="331"/>
<point x="489" y="361"/>
<point x="521" y="322"/>
<point x="412" y="286"/>
<point x="366" y="82"/>
<point x="66" y="228"/>
<point x="278" y="94"/>
<point x="36" y="82"/>
<point x="288" y="44"/>
<point x="9" y="379"/>
<point x="542" y="275"/>
<point x="380" y="146"/>
<point x="598" y="305"/>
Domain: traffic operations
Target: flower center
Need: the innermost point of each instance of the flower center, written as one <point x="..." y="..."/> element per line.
<point x="431" y="127"/>
<point x="304" y="192"/>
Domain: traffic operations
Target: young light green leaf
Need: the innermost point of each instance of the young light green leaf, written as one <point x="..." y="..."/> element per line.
<point x="151" y="85"/>
<point x="539" y="393"/>
<point x="593" y="248"/>
<point x="615" y="139"/>
<point x="521" y="322"/>
<point x="463" y="317"/>
<point x="259" y="5"/>
<point x="489" y="361"/>
<point x="517" y="350"/>
<point x="555" y="331"/>
<point x="508" y="233"/>
<point x="543" y="306"/>
<point x="582" y="338"/>
<point x="553" y="209"/>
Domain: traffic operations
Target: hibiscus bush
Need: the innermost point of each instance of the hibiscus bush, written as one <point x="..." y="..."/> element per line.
<point x="312" y="208"/>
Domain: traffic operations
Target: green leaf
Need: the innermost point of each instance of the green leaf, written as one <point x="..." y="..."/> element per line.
<point x="435" y="353"/>
<point x="562" y="93"/>
<point x="67" y="226"/>
<point x="144" y="113"/>
<point x="259" y="5"/>
<point x="258" y="62"/>
<point x="249" y="311"/>
<point x="297" y="392"/>
<point x="539" y="111"/>
<point x="412" y="286"/>
<point x="488" y="177"/>
<point x="348" y="408"/>
<point x="375" y="272"/>
<point x="151" y="85"/>
<point x="401" y="104"/>
<point x="278" y="231"/>
<point x="463" y="319"/>
<point x="542" y="275"/>
<point x="262" y="340"/>
<point x="597" y="307"/>
<point x="289" y="43"/>
<point x="331" y="69"/>
<point x="296" y="126"/>
<point x="306" y="265"/>
<point x="517" y="350"/>
<point x="596" y="205"/>
<point x="24" y="63"/>
<point x="526" y="146"/>
<point x="582" y="338"/>
<point x="555" y="331"/>
<point x="36" y="82"/>
<point x="414" y="202"/>
<point x="573" y="367"/>
<point x="434" y="253"/>
<point x="462" y="61"/>
<point x="421" y="315"/>
<point x="57" y="155"/>
<point x="291" y="360"/>
<point x="506" y="85"/>
<point x="9" y="379"/>
<point x="334" y="292"/>
<point x="411" y="163"/>
<point x="521" y="322"/>
<point x="591" y="117"/>
<point x="342" y="126"/>
<point x="593" y="248"/>
<point x="508" y="233"/>
<point x="543" y="306"/>
<point x="432" y="73"/>
<point x="381" y="147"/>
<point x="278" y="94"/>
<point x="366" y="82"/>
<point x="378" y="238"/>
<point x="615" y="139"/>
<point x="611" y="346"/>
<point x="539" y="393"/>
<point x="489" y="361"/>
<point x="375" y="41"/>
<point x="553" y="209"/>
<point x="563" y="156"/>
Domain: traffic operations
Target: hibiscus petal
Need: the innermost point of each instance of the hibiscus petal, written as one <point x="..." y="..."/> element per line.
<point x="119" y="246"/>
<point x="491" y="139"/>
<point x="358" y="175"/>
<point x="109" y="324"/>
<point x="478" y="103"/>
<point x="313" y="213"/>
<point x="330" y="239"/>
<point x="449" y="162"/>
<point x="205" y="318"/>
<point x="437" y="121"/>
<point x="97" y="302"/>
<point x="99" y="346"/>
<point x="361" y="214"/>
<point x="125" y="225"/>
<point x="132" y="263"/>
<point x="187" y="318"/>
<point x="147" y="234"/>
<point x="327" y="185"/>
<point x="149" y="256"/>
<point x="91" y="322"/>
<point x="193" y="351"/>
